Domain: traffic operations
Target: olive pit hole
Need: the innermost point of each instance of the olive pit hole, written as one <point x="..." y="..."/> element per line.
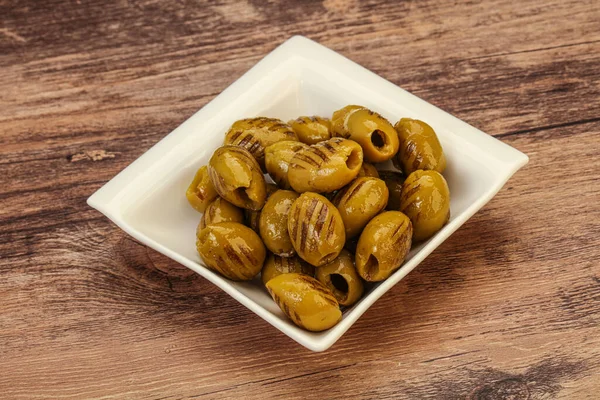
<point x="353" y="160"/>
<point x="339" y="283"/>
<point x="372" y="266"/>
<point x="378" y="138"/>
<point x="242" y="193"/>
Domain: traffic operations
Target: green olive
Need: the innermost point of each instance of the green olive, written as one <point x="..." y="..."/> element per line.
<point x="359" y="202"/>
<point x="232" y="249"/>
<point x="305" y="301"/>
<point x="341" y="278"/>
<point x="201" y="191"/>
<point x="420" y="147"/>
<point x="251" y="217"/>
<point x="426" y="201"/>
<point x="277" y="160"/>
<point x="338" y="119"/>
<point x="237" y="177"/>
<point x="383" y="245"/>
<point x="374" y="133"/>
<point x="255" y="134"/>
<point x="311" y="130"/>
<point x="325" y="166"/>
<point x="393" y="180"/>
<point x="273" y="223"/>
<point x="220" y="210"/>
<point x="368" y="170"/>
<point x="275" y="266"/>
<point x="316" y="229"/>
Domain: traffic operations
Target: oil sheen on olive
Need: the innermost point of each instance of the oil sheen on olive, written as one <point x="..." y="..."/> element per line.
<point x="316" y="229"/>
<point x="325" y="166"/>
<point x="305" y="301"/>
<point x="342" y="279"/>
<point x="375" y="134"/>
<point x="359" y="202"/>
<point x="252" y="217"/>
<point x="237" y="177"/>
<point x="201" y="191"/>
<point x="277" y="160"/>
<point x="420" y="147"/>
<point x="275" y="266"/>
<point x="383" y="245"/>
<point x="426" y="201"/>
<point x="220" y="210"/>
<point x="232" y="249"/>
<point x="311" y="130"/>
<point x="255" y="134"/>
<point x="273" y="223"/>
<point x="393" y="180"/>
<point x="368" y="170"/>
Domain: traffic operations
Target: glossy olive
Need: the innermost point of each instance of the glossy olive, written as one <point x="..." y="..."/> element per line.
<point x="232" y="249"/>
<point x="359" y="202"/>
<point x="316" y="229"/>
<point x="255" y="134"/>
<point x="201" y="191"/>
<point x="426" y="201"/>
<point x="277" y="160"/>
<point x="275" y="266"/>
<point x="273" y="223"/>
<point x="338" y="119"/>
<point x="237" y="177"/>
<point x="383" y="245"/>
<point x="252" y="217"/>
<point x="311" y="130"/>
<point x="420" y="147"/>
<point x="325" y="166"/>
<point x="374" y="133"/>
<point x="220" y="210"/>
<point x="341" y="278"/>
<point x="368" y="170"/>
<point x="393" y="180"/>
<point x="305" y="301"/>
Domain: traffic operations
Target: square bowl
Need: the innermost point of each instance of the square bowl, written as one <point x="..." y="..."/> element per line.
<point x="300" y="77"/>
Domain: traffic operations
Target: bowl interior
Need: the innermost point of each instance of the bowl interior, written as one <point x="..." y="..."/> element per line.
<point x="163" y="214"/>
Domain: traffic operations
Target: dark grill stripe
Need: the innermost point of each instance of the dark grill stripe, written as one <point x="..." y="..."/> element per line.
<point x="321" y="219"/>
<point x="355" y="189"/>
<point x="329" y="147"/>
<point x="320" y="154"/>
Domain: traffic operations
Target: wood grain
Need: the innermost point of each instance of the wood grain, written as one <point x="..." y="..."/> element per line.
<point x="508" y="307"/>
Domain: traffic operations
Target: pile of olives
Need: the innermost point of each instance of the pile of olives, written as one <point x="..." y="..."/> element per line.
<point x="331" y="222"/>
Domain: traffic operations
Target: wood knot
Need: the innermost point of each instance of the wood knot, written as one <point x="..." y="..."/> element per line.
<point x="91" y="155"/>
<point x="506" y="389"/>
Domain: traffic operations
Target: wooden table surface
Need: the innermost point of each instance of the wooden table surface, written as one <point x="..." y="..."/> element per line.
<point x="508" y="307"/>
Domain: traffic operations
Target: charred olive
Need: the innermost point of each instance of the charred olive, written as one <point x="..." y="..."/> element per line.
<point x="341" y="278"/>
<point x="374" y="133"/>
<point x="368" y="170"/>
<point x="201" y="191"/>
<point x="316" y="229"/>
<point x="426" y="201"/>
<point x="273" y="223"/>
<point x="237" y="177"/>
<point x="220" y="210"/>
<point x="420" y="147"/>
<point x="359" y="202"/>
<point x="255" y="134"/>
<point x="232" y="249"/>
<point x="393" y="180"/>
<point x="275" y="266"/>
<point x="252" y="217"/>
<point x="311" y="130"/>
<point x="277" y="160"/>
<point x="383" y="245"/>
<point x="305" y="301"/>
<point x="325" y="166"/>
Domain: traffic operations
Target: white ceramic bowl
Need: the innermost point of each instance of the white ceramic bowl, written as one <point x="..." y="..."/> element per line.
<point x="147" y="199"/>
